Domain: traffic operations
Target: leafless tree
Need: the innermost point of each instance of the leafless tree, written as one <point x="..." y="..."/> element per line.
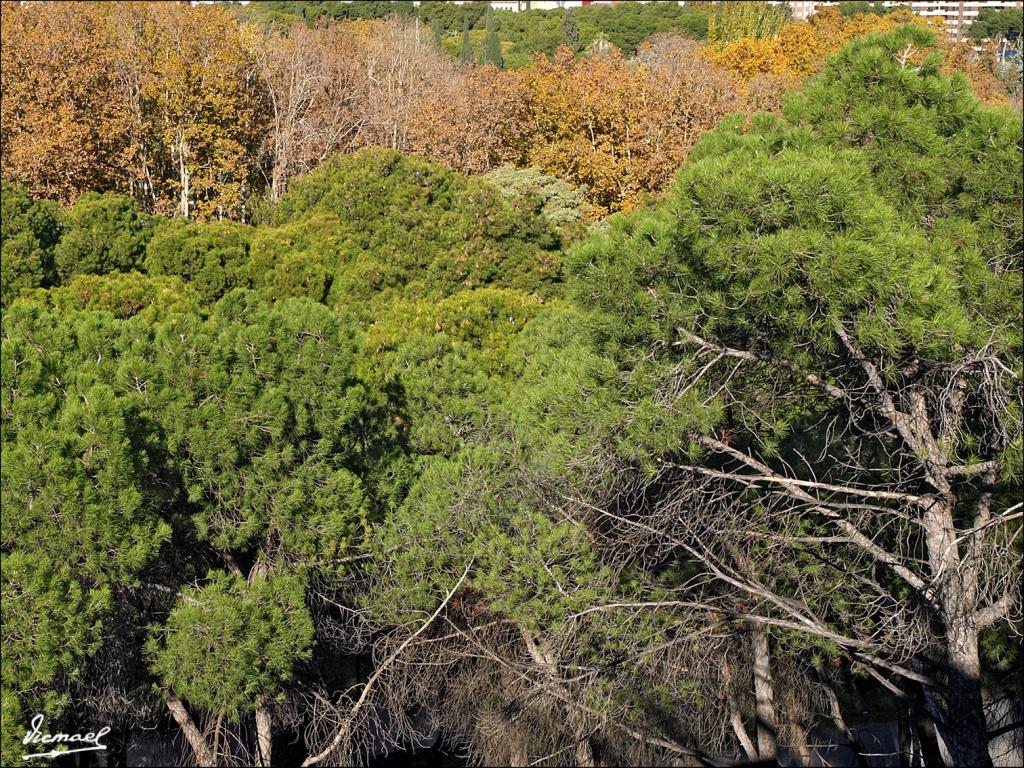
<point x="313" y="81"/>
<point x="884" y="542"/>
<point x="399" y="68"/>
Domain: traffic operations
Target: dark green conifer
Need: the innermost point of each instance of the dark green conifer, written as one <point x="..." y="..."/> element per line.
<point x="466" y="49"/>
<point x="492" y="45"/>
<point x="571" y="31"/>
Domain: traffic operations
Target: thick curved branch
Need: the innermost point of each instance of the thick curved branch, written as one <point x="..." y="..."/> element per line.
<point x="343" y="731"/>
<point x="739" y="354"/>
<point x="793" y="488"/>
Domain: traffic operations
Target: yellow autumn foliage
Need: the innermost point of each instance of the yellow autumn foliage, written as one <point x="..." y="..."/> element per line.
<point x="800" y="48"/>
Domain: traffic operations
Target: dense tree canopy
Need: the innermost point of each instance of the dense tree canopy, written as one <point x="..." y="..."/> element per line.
<point x="838" y="324"/>
<point x="28" y="231"/>
<point x="200" y="112"/>
<point x="992" y="22"/>
<point x="408" y="455"/>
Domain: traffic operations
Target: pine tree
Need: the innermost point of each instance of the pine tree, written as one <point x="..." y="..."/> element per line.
<point x="466" y="50"/>
<point x="571" y="31"/>
<point x="438" y="40"/>
<point x="492" y="45"/>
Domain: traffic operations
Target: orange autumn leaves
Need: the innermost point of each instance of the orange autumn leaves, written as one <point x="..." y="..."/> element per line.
<point x="62" y="132"/>
<point x="800" y="48"/>
<point x="158" y="100"/>
<point x="616" y="128"/>
<point x="198" y="114"/>
<point x="768" y="67"/>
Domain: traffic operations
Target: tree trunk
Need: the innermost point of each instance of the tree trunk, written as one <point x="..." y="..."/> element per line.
<point x="803" y="754"/>
<point x="906" y="743"/>
<point x="584" y="750"/>
<point x="184" y="178"/>
<point x="764" y="698"/>
<point x="837" y="718"/>
<point x="577" y="719"/>
<point x="964" y="730"/>
<point x="203" y="753"/>
<point x="519" y="757"/>
<point x="263" y="733"/>
<point x="928" y="753"/>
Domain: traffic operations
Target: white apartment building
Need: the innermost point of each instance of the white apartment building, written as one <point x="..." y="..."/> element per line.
<point x="956" y="14"/>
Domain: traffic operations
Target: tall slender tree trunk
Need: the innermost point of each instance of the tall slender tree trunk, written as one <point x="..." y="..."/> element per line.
<point x="964" y="731"/>
<point x="584" y="750"/>
<point x="263" y="733"/>
<point x="764" y="697"/>
<point x="804" y="755"/>
<point x="184" y="178"/>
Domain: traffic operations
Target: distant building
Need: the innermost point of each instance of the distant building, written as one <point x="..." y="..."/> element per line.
<point x="957" y="15"/>
<point x="804" y="8"/>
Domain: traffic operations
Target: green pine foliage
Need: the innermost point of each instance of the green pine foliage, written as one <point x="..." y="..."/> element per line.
<point x="212" y="258"/>
<point x="101" y="233"/>
<point x="998" y="23"/>
<point x="28" y="231"/>
<point x="625" y="25"/>
<point x="465" y="47"/>
<point x="558" y="201"/>
<point x="860" y="209"/>
<point x="571" y="31"/>
<point x="451" y="18"/>
<point x="123" y="294"/>
<point x="391" y="381"/>
<point x="399" y="226"/>
<point x="492" y="45"/>
<point x="51" y="621"/>
<point x="500" y="536"/>
<point x="933" y="151"/>
<point x="83" y="495"/>
<point x="266" y="424"/>
<point x="319" y="11"/>
<point x="231" y="643"/>
<point x="244" y="427"/>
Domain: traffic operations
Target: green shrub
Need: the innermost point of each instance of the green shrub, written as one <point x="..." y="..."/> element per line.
<point x="386" y="226"/>
<point x="102" y="233"/>
<point x="213" y="258"/>
<point x="28" y="231"/>
<point x="123" y="294"/>
<point x="232" y="642"/>
<point x="557" y="200"/>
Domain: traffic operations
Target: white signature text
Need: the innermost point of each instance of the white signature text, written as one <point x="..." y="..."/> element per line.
<point x="89" y="742"/>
